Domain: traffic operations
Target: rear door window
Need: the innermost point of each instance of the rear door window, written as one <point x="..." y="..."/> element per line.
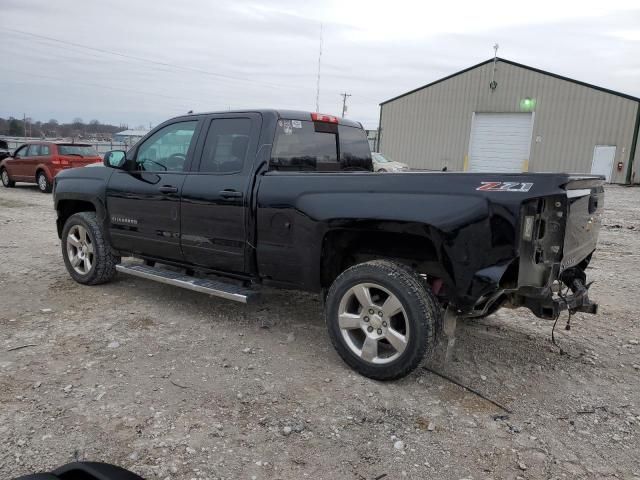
<point x="300" y="146"/>
<point x="34" y="151"/>
<point x="44" y="150"/>
<point x="225" y="148"/>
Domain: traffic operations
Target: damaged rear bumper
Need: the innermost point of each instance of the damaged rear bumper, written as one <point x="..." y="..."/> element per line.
<point x="550" y="305"/>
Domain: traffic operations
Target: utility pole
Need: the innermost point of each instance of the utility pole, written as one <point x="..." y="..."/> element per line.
<point x="318" y="80"/>
<point x="344" y="102"/>
<point x="24" y="124"/>
<point x="493" y="84"/>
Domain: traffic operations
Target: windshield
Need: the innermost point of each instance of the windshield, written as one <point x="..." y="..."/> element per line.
<point x="379" y="158"/>
<point x="83" y="150"/>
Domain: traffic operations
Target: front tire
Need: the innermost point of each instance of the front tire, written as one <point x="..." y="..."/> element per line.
<point x="6" y="180"/>
<point x="43" y="182"/>
<point x="382" y="319"/>
<point x="86" y="252"/>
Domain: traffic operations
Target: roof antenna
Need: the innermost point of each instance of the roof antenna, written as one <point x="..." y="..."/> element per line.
<point x="493" y="85"/>
<point x="318" y="82"/>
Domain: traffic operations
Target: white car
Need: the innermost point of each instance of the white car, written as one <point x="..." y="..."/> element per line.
<point x="384" y="164"/>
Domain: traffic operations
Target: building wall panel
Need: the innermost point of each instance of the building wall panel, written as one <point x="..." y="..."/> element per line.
<point x="430" y="128"/>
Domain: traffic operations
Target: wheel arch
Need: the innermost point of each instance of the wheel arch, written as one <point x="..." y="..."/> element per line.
<point x="70" y="205"/>
<point x="412" y="244"/>
<point x="43" y="168"/>
<point x="4" y="165"/>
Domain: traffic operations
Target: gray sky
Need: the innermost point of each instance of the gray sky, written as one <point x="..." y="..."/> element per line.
<point x="205" y="55"/>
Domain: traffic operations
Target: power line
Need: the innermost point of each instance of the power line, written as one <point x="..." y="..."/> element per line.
<point x="177" y="66"/>
<point x="147" y="60"/>
<point x="167" y="65"/>
<point x="35" y="56"/>
<point x="75" y="82"/>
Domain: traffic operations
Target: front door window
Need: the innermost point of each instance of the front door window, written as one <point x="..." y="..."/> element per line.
<point x="166" y="150"/>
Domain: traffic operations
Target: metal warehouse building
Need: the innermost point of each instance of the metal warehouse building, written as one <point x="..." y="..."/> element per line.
<point x="507" y="117"/>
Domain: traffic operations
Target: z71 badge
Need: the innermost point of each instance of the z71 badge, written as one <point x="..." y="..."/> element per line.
<point x="505" y="186"/>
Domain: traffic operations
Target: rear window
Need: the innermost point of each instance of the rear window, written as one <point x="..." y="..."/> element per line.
<point x="355" y="153"/>
<point x="313" y="146"/>
<point x="81" y="150"/>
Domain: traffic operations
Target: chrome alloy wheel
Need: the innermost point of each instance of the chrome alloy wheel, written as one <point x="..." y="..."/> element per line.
<point x="373" y="323"/>
<point x="42" y="182"/>
<point x="5" y="178"/>
<point x="80" y="249"/>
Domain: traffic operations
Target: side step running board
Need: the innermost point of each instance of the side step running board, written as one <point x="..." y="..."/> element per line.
<point x="212" y="287"/>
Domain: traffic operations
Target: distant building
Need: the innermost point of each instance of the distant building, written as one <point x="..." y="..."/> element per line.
<point x="129" y="137"/>
<point x="509" y="117"/>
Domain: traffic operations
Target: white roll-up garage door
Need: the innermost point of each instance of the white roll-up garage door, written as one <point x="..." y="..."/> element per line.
<point x="500" y="142"/>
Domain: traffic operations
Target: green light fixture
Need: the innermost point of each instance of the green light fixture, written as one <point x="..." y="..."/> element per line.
<point x="527" y="104"/>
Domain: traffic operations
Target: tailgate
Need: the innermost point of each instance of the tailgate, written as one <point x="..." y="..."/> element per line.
<point x="585" y="202"/>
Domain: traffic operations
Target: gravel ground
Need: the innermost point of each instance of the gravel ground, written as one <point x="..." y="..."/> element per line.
<point x="174" y="384"/>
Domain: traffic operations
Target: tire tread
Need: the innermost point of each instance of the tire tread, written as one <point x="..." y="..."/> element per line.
<point x="105" y="259"/>
<point x="49" y="186"/>
<point x="429" y="317"/>
<point x="11" y="183"/>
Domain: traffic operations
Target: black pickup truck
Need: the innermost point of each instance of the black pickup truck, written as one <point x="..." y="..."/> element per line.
<point x="224" y="203"/>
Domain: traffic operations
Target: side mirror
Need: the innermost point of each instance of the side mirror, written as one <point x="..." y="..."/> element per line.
<point x="115" y="158"/>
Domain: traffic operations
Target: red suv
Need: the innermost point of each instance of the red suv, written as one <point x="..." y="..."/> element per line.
<point x="40" y="162"/>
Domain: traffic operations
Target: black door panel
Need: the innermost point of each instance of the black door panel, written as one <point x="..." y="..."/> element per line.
<point x="143" y="218"/>
<point x="213" y="226"/>
<point x="143" y="201"/>
<point x="215" y="197"/>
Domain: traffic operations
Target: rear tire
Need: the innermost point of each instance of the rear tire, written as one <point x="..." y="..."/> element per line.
<point x="392" y="341"/>
<point x="43" y="182"/>
<point x="6" y="180"/>
<point x="85" y="250"/>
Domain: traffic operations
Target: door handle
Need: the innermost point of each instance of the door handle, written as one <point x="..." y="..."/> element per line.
<point x="168" y="189"/>
<point x="230" y="194"/>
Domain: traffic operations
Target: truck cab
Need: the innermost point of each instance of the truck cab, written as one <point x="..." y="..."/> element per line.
<point x="184" y="193"/>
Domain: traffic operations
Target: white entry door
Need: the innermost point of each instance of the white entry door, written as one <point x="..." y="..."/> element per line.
<point x="603" y="158"/>
<point x="500" y="142"/>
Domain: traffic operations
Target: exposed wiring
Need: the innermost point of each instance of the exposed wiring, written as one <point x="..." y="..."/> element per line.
<point x="563" y="297"/>
<point x="553" y="338"/>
